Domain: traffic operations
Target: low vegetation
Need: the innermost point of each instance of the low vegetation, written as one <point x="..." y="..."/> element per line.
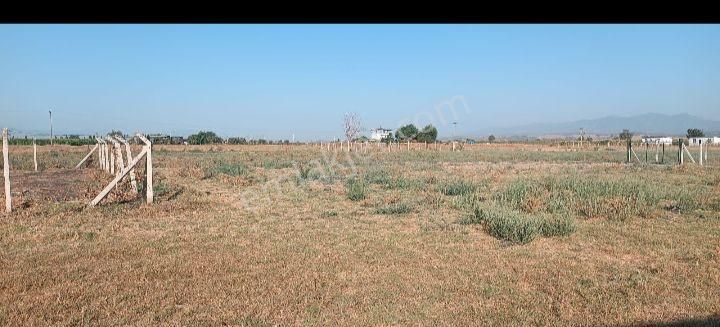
<point x="276" y="235"/>
<point x="517" y="227"/>
<point x="355" y="189"/>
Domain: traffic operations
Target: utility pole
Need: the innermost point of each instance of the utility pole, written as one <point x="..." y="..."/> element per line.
<point x="454" y="129"/>
<point x="51" y="131"/>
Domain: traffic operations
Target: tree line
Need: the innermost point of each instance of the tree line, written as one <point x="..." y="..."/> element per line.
<point x="411" y="133"/>
<point x="209" y="137"/>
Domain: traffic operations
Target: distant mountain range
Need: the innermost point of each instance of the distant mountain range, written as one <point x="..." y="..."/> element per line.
<point x="645" y="124"/>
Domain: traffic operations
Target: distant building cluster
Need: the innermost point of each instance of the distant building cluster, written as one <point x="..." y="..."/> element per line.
<point x="378" y="134"/>
<point x="695" y="141"/>
<point x="657" y="140"/>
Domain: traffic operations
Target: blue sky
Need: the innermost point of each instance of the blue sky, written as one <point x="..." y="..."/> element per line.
<point x="273" y="81"/>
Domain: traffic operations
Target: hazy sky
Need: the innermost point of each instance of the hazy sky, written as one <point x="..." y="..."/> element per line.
<point x="275" y="80"/>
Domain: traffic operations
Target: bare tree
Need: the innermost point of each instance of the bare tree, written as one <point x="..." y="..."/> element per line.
<point x="351" y="126"/>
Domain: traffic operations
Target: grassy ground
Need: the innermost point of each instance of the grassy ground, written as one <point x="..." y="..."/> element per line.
<point x="266" y="235"/>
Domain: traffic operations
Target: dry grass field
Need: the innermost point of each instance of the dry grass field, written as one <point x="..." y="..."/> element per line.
<point x="275" y="235"/>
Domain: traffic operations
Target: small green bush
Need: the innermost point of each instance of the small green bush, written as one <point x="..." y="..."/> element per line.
<point x="514" y="226"/>
<point x="507" y="225"/>
<point x="355" y="189"/>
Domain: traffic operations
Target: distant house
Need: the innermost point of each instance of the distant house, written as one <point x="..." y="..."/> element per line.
<point x="657" y="140"/>
<point x="378" y="134"/>
<point x="695" y="141"/>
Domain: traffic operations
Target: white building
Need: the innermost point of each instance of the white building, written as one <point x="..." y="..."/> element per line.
<point x="695" y="141"/>
<point x="378" y="134"/>
<point x="657" y="140"/>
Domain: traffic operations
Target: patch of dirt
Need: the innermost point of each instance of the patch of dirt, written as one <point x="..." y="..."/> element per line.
<point x="56" y="185"/>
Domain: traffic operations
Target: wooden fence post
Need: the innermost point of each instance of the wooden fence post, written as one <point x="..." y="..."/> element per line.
<point x="6" y="172"/>
<point x="148" y="169"/>
<point x="117" y="178"/>
<point x="701" y="150"/>
<point x="663" y="154"/>
<point x="107" y="156"/>
<point x="128" y="152"/>
<point x="35" y="153"/>
<point x="112" y="158"/>
<point x="117" y="154"/>
<point x="680" y="151"/>
<point x="629" y="149"/>
<point x="100" y="154"/>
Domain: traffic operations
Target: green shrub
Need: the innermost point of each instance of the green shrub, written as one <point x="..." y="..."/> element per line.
<point x="507" y="225"/>
<point x="557" y="225"/>
<point x="394" y="209"/>
<point x="355" y="189"/>
<point x="457" y="188"/>
<point x="514" y="226"/>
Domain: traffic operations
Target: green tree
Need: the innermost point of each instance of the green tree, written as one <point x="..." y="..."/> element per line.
<point x="491" y="138"/>
<point x="204" y="137"/>
<point x="407" y="132"/>
<point x="626" y="135"/>
<point x="427" y="134"/>
<point x="237" y="140"/>
<point x="695" y="132"/>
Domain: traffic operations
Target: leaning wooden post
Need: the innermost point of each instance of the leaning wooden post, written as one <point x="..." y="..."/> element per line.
<point x="133" y="183"/>
<point x="6" y="172"/>
<point x="87" y="156"/>
<point x="35" y="153"/>
<point x="117" y="178"/>
<point x="148" y="168"/>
